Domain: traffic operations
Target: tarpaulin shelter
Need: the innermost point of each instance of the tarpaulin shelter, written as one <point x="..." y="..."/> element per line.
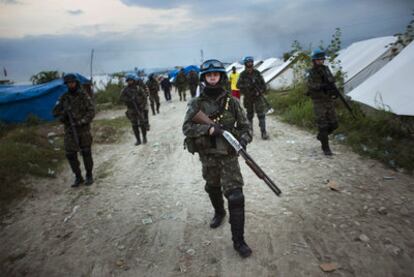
<point x="18" y="102"/>
<point x="391" y="88"/>
<point x="268" y="64"/>
<point x="173" y="73"/>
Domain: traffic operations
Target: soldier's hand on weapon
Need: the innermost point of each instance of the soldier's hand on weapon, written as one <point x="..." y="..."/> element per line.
<point x="66" y="106"/>
<point x="243" y="143"/>
<point x="215" y="130"/>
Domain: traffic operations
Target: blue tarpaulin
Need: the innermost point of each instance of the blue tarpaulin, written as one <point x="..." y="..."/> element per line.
<point x="20" y="101"/>
<point x="173" y="73"/>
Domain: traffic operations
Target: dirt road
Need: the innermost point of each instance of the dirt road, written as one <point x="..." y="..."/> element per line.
<point x="147" y="214"/>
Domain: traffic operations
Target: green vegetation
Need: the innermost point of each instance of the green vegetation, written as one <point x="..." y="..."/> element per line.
<point x="44" y="77"/>
<point x="380" y="135"/>
<point x="109" y="98"/>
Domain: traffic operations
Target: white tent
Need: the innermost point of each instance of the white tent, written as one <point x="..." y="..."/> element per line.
<point x="362" y="59"/>
<point x="101" y="81"/>
<point x="392" y="87"/>
<point x="239" y="67"/>
<point x="269" y="63"/>
<point x="274" y="72"/>
<point x="283" y="80"/>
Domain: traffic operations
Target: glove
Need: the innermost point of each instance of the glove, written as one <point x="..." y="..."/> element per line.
<point x="243" y="143"/>
<point x="217" y="131"/>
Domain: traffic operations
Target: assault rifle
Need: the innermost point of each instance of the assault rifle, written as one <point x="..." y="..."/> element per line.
<point x="258" y="93"/>
<point x="202" y="118"/>
<point x="333" y="90"/>
<point x="140" y="119"/>
<point x="68" y="111"/>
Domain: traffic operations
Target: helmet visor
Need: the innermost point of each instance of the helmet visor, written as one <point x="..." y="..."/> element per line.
<point x="210" y="64"/>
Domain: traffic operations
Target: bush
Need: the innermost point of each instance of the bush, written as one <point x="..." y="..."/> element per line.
<point x="110" y="95"/>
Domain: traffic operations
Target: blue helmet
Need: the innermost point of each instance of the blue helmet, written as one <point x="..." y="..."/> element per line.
<point x="212" y="66"/>
<point x="318" y="54"/>
<point x="248" y="59"/>
<point x="130" y="77"/>
<point x="70" y="77"/>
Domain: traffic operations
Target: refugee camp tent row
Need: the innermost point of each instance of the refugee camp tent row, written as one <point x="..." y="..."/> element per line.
<point x="173" y="73"/>
<point x="18" y="102"/>
<point x="362" y="59"/>
<point x="268" y="64"/>
<point x="391" y="87"/>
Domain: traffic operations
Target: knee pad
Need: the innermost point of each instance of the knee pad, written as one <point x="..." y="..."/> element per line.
<point x="235" y="198"/>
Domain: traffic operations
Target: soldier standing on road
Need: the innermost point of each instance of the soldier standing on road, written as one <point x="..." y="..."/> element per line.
<point x="193" y="81"/>
<point x="252" y="87"/>
<point x="153" y="88"/>
<point x="181" y="84"/>
<point x="319" y="80"/>
<point x="220" y="166"/>
<point x="135" y="98"/>
<point x="76" y="111"/>
<point x="166" y="87"/>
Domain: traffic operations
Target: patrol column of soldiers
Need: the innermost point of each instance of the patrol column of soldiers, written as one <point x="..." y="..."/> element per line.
<point x="220" y="166"/>
<point x="135" y="98"/>
<point x="76" y="106"/>
<point x="252" y="86"/>
<point x="181" y="84"/>
<point x="319" y="80"/>
<point x="153" y="88"/>
<point x="193" y="81"/>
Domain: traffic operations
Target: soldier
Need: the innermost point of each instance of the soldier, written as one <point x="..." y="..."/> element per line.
<point x="153" y="88"/>
<point x="319" y="82"/>
<point x="76" y="111"/>
<point x="135" y="98"/>
<point x="220" y="166"/>
<point x="166" y="87"/>
<point x="252" y="86"/>
<point x="181" y="84"/>
<point x="193" y="81"/>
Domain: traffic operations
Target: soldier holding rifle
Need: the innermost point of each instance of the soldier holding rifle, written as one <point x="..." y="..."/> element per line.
<point x="76" y="111"/>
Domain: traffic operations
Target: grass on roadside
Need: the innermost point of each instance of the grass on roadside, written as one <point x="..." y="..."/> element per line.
<point x="379" y="135"/>
<point x="109" y="97"/>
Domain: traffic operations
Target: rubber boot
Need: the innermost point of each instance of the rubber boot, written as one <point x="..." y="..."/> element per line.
<point x="144" y="134"/>
<point x="184" y="96"/>
<point x="137" y="136"/>
<point x="74" y="165"/>
<point x="147" y="126"/>
<point x="324" y="139"/>
<point x="158" y="107"/>
<point x="262" y="125"/>
<point x="216" y="198"/>
<point x="152" y="109"/>
<point x="236" y="210"/>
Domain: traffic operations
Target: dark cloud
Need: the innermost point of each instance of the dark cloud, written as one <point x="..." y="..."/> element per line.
<point x="234" y="29"/>
<point x="75" y="12"/>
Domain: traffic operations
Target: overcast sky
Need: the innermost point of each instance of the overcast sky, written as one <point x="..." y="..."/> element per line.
<point x="40" y="35"/>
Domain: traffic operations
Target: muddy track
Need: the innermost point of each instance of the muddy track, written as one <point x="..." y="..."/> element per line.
<point x="147" y="213"/>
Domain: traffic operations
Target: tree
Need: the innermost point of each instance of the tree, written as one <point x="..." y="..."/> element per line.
<point x="403" y="39"/>
<point x="44" y="77"/>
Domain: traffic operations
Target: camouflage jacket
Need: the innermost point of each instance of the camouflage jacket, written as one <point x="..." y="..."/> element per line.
<point x="317" y="79"/>
<point x="193" y="79"/>
<point x="132" y="94"/>
<point x="181" y="80"/>
<point x="153" y="86"/>
<point x="229" y="115"/>
<point x="79" y="105"/>
<point x="252" y="84"/>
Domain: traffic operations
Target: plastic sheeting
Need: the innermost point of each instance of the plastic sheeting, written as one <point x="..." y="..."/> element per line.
<point x="274" y="72"/>
<point x="20" y="101"/>
<point x="391" y="88"/>
<point x="173" y="73"/>
<point x="269" y="63"/>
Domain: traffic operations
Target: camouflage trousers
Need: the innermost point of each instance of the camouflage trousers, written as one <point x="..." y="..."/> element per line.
<point x="154" y="98"/>
<point x="255" y="105"/>
<point x="84" y="136"/>
<point x="182" y="93"/>
<point x="221" y="171"/>
<point x="325" y="115"/>
<point x="193" y="90"/>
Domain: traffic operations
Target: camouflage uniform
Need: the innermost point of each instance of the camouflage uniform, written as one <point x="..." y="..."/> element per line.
<point x="252" y="86"/>
<point x="153" y="88"/>
<point x="82" y="110"/>
<point x="193" y="81"/>
<point x="181" y="84"/>
<point x="318" y="80"/>
<point x="220" y="165"/>
<point x="135" y="98"/>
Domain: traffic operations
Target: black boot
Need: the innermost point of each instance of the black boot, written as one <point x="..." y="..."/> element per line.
<point x="147" y="126"/>
<point x="74" y="165"/>
<point x="144" y="134"/>
<point x="88" y="163"/>
<point x="136" y="133"/>
<point x="216" y="198"/>
<point x="152" y="108"/>
<point x="324" y="139"/>
<point x="262" y="125"/>
<point x="158" y="107"/>
<point x="236" y="209"/>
